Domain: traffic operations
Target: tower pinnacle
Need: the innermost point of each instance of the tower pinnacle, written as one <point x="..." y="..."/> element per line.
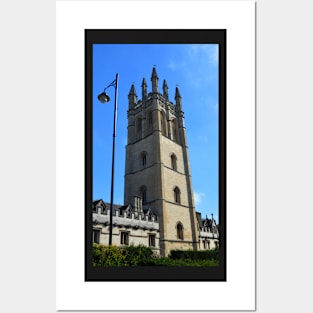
<point x="178" y="98"/>
<point x="165" y="90"/>
<point x="155" y="80"/>
<point x="144" y="89"/>
<point x="132" y="97"/>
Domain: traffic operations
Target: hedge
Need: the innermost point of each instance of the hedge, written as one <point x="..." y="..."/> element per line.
<point x="183" y="262"/>
<point x="143" y="256"/>
<point x="115" y="256"/>
<point x="194" y="255"/>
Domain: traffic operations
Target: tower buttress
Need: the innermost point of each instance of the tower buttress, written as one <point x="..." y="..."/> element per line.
<point x="180" y="118"/>
<point x="132" y="102"/>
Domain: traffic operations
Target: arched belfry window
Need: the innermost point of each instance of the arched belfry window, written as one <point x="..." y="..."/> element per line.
<point x="143" y="194"/>
<point x="139" y="128"/>
<point x="163" y="124"/>
<point x="176" y="195"/>
<point x="180" y="231"/>
<point x="174" y="130"/>
<point x="150" y="120"/>
<point x="174" y="162"/>
<point x="143" y="159"/>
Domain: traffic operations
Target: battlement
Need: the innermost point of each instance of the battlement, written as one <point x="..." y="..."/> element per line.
<point x="142" y="221"/>
<point x="207" y="233"/>
<point x="126" y="216"/>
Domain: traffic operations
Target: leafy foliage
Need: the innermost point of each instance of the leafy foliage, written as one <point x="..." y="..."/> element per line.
<point x="182" y="262"/>
<point x="108" y="256"/>
<point x="195" y="255"/>
<point x="137" y="255"/>
<point x="143" y="256"/>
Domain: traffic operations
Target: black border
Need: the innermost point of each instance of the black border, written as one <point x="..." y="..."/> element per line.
<point x="146" y="273"/>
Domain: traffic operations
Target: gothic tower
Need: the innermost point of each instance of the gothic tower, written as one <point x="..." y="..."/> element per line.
<point x="157" y="164"/>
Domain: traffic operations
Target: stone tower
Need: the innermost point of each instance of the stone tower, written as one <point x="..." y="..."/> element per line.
<point x="157" y="165"/>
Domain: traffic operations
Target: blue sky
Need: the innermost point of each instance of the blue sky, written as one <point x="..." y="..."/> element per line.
<point x="194" y="68"/>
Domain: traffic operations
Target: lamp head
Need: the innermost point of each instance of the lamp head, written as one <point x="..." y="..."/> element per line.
<point x="103" y="97"/>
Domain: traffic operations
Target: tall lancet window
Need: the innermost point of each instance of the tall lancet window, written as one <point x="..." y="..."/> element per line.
<point x="143" y="159"/>
<point x="163" y="124"/>
<point x="174" y="162"/>
<point x="143" y="194"/>
<point x="139" y="128"/>
<point x="150" y="120"/>
<point x="174" y="130"/>
<point x="180" y="231"/>
<point x="176" y="195"/>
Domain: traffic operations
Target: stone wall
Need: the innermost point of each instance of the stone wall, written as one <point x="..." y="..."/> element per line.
<point x="138" y="228"/>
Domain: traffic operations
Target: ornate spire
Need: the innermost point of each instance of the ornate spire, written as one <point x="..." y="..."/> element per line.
<point x="165" y="90"/>
<point x="154" y="73"/>
<point x="132" y="96"/>
<point x="132" y="90"/>
<point x="144" y="88"/>
<point x="154" y="79"/>
<point x="178" y="98"/>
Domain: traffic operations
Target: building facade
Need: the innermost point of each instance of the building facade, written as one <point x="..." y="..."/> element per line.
<point x="159" y="209"/>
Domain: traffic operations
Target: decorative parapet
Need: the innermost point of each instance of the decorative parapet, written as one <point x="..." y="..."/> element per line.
<point x="206" y="232"/>
<point x="144" y="221"/>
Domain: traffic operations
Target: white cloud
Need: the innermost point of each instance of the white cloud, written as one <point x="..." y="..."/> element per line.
<point x="172" y="65"/>
<point x="213" y="54"/>
<point x="207" y="52"/>
<point x="198" y="197"/>
<point x="195" y="63"/>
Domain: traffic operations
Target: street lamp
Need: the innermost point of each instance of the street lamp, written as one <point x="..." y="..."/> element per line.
<point x="104" y="98"/>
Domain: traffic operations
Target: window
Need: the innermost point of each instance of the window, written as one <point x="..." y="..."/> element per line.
<point x="174" y="162"/>
<point x="143" y="193"/>
<point x="139" y="128"/>
<point x="124" y="238"/>
<point x="174" y="131"/>
<point x="151" y="240"/>
<point x="163" y="124"/>
<point x="96" y="235"/>
<point x="176" y="195"/>
<point x="150" y="121"/>
<point x="180" y="234"/>
<point x="103" y="210"/>
<point x="143" y="159"/>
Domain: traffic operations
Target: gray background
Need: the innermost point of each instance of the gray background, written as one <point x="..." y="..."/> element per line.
<point x="284" y="156"/>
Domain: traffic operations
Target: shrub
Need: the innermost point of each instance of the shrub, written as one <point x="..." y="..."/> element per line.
<point x="194" y="255"/>
<point x="114" y="256"/>
<point x="137" y="255"/>
<point x="107" y="256"/>
<point x="183" y="262"/>
<point x="143" y="256"/>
